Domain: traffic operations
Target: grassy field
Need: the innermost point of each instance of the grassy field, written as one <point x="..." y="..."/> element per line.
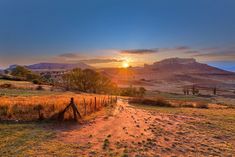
<point x="211" y="134"/>
<point x="26" y="107"/>
<point x="217" y="122"/>
<point x="227" y="100"/>
<point x="41" y="138"/>
<point x="115" y="130"/>
<point x="23" y="85"/>
<point x="23" y="102"/>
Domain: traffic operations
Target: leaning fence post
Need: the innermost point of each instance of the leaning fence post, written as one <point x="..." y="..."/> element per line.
<point x="74" y="112"/>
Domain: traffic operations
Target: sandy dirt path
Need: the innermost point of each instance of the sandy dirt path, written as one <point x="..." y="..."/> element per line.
<point x="138" y="132"/>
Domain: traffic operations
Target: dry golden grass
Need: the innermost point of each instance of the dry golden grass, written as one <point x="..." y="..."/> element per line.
<point x="26" y="107"/>
<point x="23" y="84"/>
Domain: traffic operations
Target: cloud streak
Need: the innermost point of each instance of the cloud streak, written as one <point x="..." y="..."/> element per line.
<point x="99" y="61"/>
<point x="68" y="55"/>
<point x="139" y="51"/>
<point x="227" y="54"/>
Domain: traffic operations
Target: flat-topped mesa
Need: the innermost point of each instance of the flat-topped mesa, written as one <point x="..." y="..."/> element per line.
<point x="177" y="61"/>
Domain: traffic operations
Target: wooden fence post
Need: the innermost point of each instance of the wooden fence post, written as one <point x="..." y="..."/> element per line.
<point x="91" y="106"/>
<point x="76" y="113"/>
<point x="95" y="103"/>
<point x="84" y="106"/>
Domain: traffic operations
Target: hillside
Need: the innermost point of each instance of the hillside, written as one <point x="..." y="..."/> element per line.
<point x="173" y="71"/>
<point x="55" y="66"/>
<point x="188" y="65"/>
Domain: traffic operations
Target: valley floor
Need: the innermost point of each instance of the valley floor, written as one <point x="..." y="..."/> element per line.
<point x="127" y="130"/>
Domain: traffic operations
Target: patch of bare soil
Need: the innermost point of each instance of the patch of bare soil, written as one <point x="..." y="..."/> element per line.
<point x="137" y="132"/>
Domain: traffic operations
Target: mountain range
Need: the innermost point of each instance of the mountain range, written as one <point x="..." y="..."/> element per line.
<point x="54" y="66"/>
<point x="172" y="72"/>
<point x="168" y="72"/>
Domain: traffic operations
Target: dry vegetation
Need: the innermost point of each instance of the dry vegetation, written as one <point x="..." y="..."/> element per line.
<point x="126" y="130"/>
<point x="28" y="107"/>
<point x="25" y="85"/>
<point x="161" y="102"/>
<point x="163" y="125"/>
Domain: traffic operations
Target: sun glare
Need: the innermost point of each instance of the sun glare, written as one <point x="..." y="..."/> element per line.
<point x="125" y="64"/>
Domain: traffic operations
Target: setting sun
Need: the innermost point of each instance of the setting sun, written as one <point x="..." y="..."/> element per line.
<point x="125" y="64"/>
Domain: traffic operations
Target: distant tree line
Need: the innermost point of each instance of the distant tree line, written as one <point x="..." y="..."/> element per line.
<point x="87" y="80"/>
<point x="195" y="91"/>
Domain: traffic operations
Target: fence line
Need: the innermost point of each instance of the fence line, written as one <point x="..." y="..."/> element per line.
<point x="98" y="105"/>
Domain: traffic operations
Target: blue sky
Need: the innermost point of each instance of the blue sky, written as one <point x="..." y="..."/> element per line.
<point x="41" y="30"/>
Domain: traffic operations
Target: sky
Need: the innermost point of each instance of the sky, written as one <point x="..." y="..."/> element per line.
<point x="108" y="33"/>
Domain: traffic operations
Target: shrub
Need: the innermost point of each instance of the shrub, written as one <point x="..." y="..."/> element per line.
<point x="158" y="102"/>
<point x="6" y="85"/>
<point x="35" y="81"/>
<point x="3" y="110"/>
<point x="132" y="91"/>
<point x="106" y="144"/>
<point x="202" y="105"/>
<point x="190" y="105"/>
<point x="39" y="88"/>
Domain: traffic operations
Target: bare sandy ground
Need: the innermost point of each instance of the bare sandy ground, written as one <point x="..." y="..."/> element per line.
<point x="137" y="132"/>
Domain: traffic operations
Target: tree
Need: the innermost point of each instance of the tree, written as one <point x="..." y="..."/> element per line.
<point x="185" y="91"/>
<point x="215" y="91"/>
<point x="142" y="91"/>
<point x="87" y="81"/>
<point x="6" y="72"/>
<point x="22" y="72"/>
<point x="195" y="90"/>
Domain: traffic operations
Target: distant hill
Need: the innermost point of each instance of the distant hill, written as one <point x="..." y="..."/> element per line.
<point x="175" y="71"/>
<point x="54" y="66"/>
<point x="184" y="65"/>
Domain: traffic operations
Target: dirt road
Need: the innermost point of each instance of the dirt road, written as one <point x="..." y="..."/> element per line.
<point x="137" y="132"/>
